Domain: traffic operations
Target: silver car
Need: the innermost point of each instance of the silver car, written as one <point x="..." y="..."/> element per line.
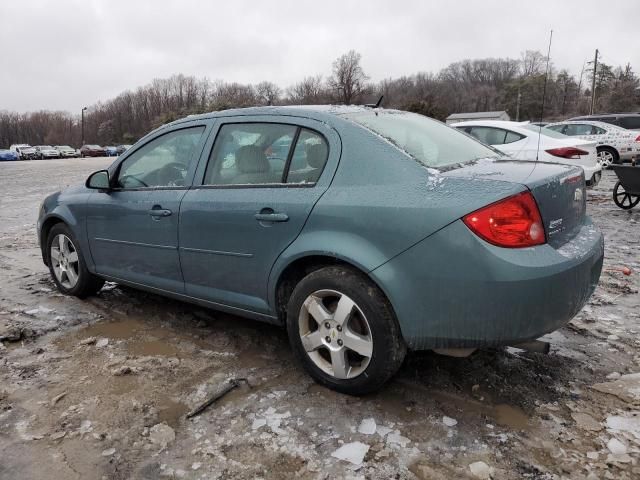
<point x="46" y="151"/>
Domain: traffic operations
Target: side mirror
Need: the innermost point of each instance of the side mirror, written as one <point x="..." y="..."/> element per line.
<point x="99" y="180"/>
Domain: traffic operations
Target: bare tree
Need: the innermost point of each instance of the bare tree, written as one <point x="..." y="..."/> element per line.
<point x="309" y="91"/>
<point x="268" y="93"/>
<point x="348" y="80"/>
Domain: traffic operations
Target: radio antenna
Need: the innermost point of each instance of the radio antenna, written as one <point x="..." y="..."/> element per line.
<point x="544" y="94"/>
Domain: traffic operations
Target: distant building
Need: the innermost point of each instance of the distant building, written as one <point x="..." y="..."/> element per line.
<point x="463" y="117"/>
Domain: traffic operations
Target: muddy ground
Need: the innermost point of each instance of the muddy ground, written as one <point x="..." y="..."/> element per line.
<point x="99" y="389"/>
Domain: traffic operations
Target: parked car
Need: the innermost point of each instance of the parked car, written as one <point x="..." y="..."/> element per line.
<point x="65" y="151"/>
<point x="614" y="144"/>
<point x="111" y="151"/>
<point x="122" y="148"/>
<point x="92" y="151"/>
<point x="520" y="141"/>
<point x="397" y="233"/>
<point x="24" y="151"/>
<point x="46" y="151"/>
<point x="630" y="121"/>
<point x="6" y="155"/>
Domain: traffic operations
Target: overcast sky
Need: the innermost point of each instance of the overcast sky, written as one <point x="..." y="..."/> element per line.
<point x="64" y="54"/>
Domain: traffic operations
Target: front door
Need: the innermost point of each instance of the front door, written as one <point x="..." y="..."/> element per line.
<point x="261" y="182"/>
<point x="133" y="229"/>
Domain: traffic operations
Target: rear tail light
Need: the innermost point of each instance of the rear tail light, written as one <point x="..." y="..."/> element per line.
<point x="638" y="138"/>
<point x="514" y="222"/>
<point x="567" y="152"/>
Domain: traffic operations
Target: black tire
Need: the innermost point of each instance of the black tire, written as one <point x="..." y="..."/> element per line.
<point x="624" y="200"/>
<point x="87" y="283"/>
<point x="388" y="350"/>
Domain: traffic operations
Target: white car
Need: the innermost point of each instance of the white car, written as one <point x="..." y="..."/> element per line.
<point x="65" y="151"/>
<point x="520" y="141"/>
<point x="614" y="144"/>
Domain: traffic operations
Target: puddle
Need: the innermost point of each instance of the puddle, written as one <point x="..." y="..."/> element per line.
<point x="510" y="416"/>
<point x="116" y="330"/>
<point x="501" y="413"/>
<point x="121" y="385"/>
<point x="145" y="348"/>
<point x="170" y="411"/>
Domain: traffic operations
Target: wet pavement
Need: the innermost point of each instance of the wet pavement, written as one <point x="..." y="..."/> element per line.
<point x="100" y="388"/>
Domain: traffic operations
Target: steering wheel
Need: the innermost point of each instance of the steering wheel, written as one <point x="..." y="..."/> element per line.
<point x="173" y="172"/>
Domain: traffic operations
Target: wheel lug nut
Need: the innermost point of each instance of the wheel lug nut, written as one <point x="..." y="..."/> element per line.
<point x="327" y="325"/>
<point x="339" y="328"/>
<point x="339" y="342"/>
<point x="328" y="339"/>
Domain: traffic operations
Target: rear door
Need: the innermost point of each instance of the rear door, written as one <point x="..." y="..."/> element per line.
<point x="252" y="196"/>
<point x="133" y="228"/>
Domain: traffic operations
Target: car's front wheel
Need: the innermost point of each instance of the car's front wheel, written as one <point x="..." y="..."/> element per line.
<point x="344" y="331"/>
<point x="67" y="266"/>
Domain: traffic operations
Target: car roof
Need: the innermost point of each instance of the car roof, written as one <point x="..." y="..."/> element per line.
<point x="604" y="125"/>
<point x="607" y="115"/>
<point x="317" y="112"/>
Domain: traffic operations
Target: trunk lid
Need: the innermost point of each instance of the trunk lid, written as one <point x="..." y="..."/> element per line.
<point x="559" y="190"/>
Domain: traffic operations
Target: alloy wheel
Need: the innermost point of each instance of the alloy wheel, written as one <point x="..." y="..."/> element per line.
<point x="605" y="158"/>
<point x="335" y="334"/>
<point x="64" y="258"/>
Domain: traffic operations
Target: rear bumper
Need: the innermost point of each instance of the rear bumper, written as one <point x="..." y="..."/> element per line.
<point x="453" y="290"/>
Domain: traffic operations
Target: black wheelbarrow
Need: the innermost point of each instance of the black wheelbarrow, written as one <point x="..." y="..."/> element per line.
<point x="626" y="192"/>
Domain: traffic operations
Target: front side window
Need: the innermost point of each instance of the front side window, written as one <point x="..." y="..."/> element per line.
<point x="430" y="142"/>
<point x="163" y="162"/>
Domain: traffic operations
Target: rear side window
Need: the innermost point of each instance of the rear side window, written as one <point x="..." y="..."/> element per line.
<point x="309" y="158"/>
<point x="632" y="123"/>
<point x="430" y="142"/>
<point x="495" y="136"/>
<point x="265" y="153"/>
<point x="578" y="129"/>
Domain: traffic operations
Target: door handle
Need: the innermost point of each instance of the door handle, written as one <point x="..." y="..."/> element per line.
<point x="157" y="212"/>
<point x="268" y="215"/>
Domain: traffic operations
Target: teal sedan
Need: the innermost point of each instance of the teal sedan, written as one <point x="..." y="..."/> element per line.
<point x="365" y="232"/>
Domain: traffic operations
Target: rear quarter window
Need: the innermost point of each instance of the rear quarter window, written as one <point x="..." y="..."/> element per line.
<point x="428" y="141"/>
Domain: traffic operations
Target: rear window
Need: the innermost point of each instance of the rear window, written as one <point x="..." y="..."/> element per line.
<point x="432" y="143"/>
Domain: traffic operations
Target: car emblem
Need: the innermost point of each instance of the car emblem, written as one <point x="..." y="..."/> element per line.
<point x="577" y="196"/>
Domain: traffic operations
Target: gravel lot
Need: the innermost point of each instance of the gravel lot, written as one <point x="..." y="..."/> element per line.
<point x="99" y="389"/>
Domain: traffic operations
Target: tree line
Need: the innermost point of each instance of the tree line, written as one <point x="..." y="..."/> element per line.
<point x="514" y="85"/>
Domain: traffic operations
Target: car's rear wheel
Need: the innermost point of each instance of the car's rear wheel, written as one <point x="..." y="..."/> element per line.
<point x="344" y="331"/>
<point x="607" y="156"/>
<point x="67" y="266"/>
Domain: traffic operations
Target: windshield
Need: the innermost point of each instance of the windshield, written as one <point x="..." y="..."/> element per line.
<point x="64" y="147"/>
<point x="544" y="131"/>
<point x="432" y="143"/>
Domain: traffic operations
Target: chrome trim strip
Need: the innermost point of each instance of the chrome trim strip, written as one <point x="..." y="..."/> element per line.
<point x="217" y="252"/>
<point x="136" y="244"/>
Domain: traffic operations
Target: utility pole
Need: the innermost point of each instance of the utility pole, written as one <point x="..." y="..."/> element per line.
<point x="83" y="109"/>
<point x="593" y="83"/>
<point x="518" y="105"/>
